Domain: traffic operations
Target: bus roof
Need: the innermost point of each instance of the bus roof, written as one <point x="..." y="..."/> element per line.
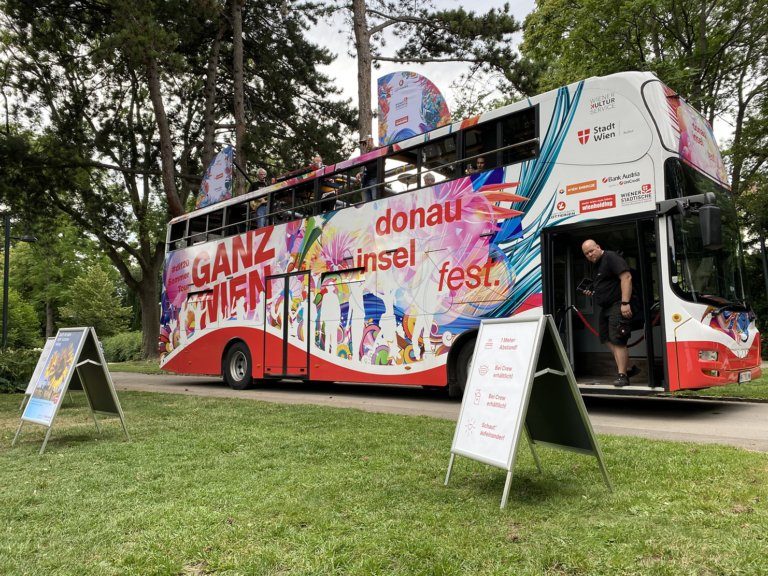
<point x="633" y="80"/>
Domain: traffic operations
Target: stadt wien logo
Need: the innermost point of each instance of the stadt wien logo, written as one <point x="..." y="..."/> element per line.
<point x="584" y="136"/>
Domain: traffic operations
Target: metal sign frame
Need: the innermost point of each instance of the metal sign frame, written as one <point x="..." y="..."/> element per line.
<point x="88" y="371"/>
<point x="559" y="421"/>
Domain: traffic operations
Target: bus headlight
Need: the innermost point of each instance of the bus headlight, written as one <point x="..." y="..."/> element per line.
<point x="708" y="355"/>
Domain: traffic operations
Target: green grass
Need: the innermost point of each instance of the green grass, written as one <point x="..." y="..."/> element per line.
<point x="137" y="367"/>
<point x="219" y="486"/>
<point x="755" y="390"/>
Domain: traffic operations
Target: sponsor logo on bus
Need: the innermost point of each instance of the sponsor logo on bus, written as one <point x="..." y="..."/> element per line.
<point x="562" y="210"/>
<point x="599" y="133"/>
<point x="602" y="103"/>
<point x="581" y="187"/>
<point x="637" y="196"/>
<point x="599" y="203"/>
<point x="622" y="179"/>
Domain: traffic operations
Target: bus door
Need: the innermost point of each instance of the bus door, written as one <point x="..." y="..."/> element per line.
<point x="286" y="342"/>
<point x="564" y="268"/>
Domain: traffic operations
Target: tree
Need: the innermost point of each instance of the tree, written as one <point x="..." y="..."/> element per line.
<point x="121" y="87"/>
<point x="23" y="326"/>
<point x="92" y="300"/>
<point x="44" y="271"/>
<point x="430" y="36"/>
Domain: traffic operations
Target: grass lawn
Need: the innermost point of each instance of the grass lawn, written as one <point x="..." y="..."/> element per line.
<point x="220" y="486"/>
<point x="137" y="367"/>
<point x="755" y="390"/>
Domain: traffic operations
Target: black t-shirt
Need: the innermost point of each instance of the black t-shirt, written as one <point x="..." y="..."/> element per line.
<point x="607" y="284"/>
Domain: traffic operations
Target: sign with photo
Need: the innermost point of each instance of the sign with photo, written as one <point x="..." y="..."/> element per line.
<point x="41" y="362"/>
<point x="74" y="361"/>
<point x="51" y="383"/>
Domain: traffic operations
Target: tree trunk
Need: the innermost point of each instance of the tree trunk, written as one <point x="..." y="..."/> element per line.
<point x="166" y="144"/>
<point x="150" y="315"/>
<point x="209" y="93"/>
<point x="239" y="97"/>
<point x="363" y="49"/>
<point x="49" y="326"/>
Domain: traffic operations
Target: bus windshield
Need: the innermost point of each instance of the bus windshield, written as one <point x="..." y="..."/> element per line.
<point x="699" y="274"/>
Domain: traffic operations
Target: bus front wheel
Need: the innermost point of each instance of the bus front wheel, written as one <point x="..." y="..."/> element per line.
<point x="457" y="384"/>
<point x="237" y="367"/>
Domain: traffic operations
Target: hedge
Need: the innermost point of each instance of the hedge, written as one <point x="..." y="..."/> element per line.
<point x="16" y="367"/>
<point x="122" y="347"/>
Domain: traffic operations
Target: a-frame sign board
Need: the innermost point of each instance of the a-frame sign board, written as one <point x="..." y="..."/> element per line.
<point x="38" y="370"/>
<point x="520" y="381"/>
<point x="74" y="362"/>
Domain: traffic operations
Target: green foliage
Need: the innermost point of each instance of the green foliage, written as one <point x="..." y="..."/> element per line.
<point x="122" y="347"/>
<point x="139" y="86"/>
<point x="16" y="367"/>
<point x="23" y="324"/>
<point x="92" y="301"/>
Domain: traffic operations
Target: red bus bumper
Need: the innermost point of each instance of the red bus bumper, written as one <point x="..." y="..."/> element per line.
<point x="691" y="365"/>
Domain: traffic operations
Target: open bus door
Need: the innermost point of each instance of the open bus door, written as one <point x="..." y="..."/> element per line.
<point x="287" y="310"/>
<point x="564" y="267"/>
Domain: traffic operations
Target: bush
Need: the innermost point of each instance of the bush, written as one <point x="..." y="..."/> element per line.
<point x="122" y="347"/>
<point x="16" y="367"/>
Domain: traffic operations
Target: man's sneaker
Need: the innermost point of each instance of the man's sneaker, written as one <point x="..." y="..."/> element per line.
<point x="632" y="372"/>
<point x="621" y="381"/>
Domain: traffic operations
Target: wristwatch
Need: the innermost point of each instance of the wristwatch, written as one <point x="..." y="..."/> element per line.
<point x="625" y="303"/>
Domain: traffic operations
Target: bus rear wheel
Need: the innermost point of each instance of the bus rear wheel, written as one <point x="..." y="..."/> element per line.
<point x="237" y="367"/>
<point x="461" y="370"/>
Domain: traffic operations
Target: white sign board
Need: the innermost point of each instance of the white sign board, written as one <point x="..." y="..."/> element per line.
<point x="520" y="381"/>
<point x="40" y="365"/>
<point x="495" y="393"/>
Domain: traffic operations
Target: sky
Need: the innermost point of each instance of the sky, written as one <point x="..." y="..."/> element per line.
<point x="344" y="68"/>
<point x="442" y="74"/>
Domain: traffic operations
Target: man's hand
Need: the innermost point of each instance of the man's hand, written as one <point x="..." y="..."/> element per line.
<point x="626" y="311"/>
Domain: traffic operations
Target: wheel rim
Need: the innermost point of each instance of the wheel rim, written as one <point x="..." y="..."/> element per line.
<point x="238" y="365"/>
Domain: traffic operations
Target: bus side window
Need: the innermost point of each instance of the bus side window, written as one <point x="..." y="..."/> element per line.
<point x="440" y="157"/>
<point x="236" y="219"/>
<point x="518" y="131"/>
<point x="176" y="239"/>
<point x="216" y="225"/>
<point x="480" y="141"/>
<point x="197" y="228"/>
<point x="400" y="172"/>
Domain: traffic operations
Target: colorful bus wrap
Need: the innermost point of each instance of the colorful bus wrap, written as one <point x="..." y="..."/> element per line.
<point x="379" y="269"/>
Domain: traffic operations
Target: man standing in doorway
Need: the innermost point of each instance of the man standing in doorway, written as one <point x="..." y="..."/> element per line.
<point x="612" y="289"/>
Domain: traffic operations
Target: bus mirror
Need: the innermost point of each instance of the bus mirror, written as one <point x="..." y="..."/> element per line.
<point x="711" y="231"/>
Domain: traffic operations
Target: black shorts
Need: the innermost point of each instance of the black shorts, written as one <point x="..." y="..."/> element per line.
<point x="614" y="328"/>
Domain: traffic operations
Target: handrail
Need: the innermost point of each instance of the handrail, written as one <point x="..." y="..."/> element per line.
<point x="339" y="196"/>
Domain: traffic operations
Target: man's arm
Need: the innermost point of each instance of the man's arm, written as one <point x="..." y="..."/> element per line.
<point x="626" y="293"/>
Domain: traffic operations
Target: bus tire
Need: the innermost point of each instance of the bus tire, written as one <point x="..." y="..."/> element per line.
<point x="461" y="370"/>
<point x="237" y="367"/>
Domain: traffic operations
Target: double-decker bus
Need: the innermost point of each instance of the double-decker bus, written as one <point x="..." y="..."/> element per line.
<point x="380" y="268"/>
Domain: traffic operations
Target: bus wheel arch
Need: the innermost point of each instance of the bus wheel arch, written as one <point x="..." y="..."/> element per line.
<point x="237" y="365"/>
<point x="458" y="363"/>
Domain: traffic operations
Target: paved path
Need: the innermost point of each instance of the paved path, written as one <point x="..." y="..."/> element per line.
<point x="740" y="424"/>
